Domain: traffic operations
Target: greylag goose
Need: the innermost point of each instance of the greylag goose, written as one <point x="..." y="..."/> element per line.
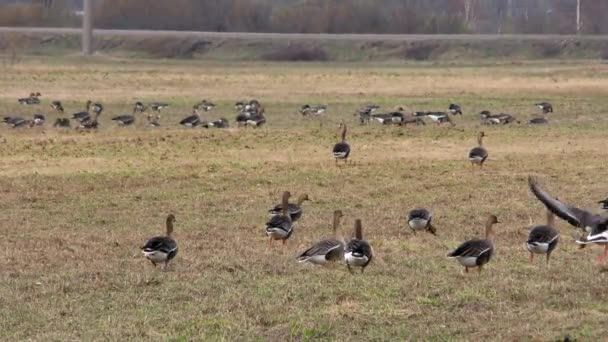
<point x="420" y="219"/>
<point x="280" y="227"/>
<point x="192" y="120"/>
<point x="295" y="209"/>
<point x="358" y="252"/>
<point x="161" y="249"/>
<point x="158" y="106"/>
<point x="454" y="109"/>
<point x="341" y="150"/>
<point x="85" y="115"/>
<point x="543" y="239"/>
<point x="326" y="250"/>
<point x="546" y="107"/>
<point x="479" y="154"/>
<point x="476" y="252"/>
<point x="56" y="105"/>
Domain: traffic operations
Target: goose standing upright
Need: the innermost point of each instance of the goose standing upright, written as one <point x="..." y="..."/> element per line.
<point x="420" y="219"/>
<point x="326" y="250"/>
<point x="85" y="115"/>
<point x="295" y="209"/>
<point x="358" y="252"/>
<point x="161" y="249"/>
<point x="341" y="150"/>
<point x="476" y="252"/>
<point x="280" y="227"/>
<point x="543" y="239"/>
<point x="479" y="154"/>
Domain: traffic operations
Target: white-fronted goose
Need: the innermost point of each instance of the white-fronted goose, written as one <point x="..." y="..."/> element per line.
<point x="192" y="120"/>
<point x="85" y="115"/>
<point x="256" y="120"/>
<point x="204" y="106"/>
<point x="341" y="150"/>
<point x="496" y="119"/>
<point x="126" y="119"/>
<point x="358" y="252"/>
<point x="546" y="107"/>
<point x="438" y="117"/>
<point x="221" y="123"/>
<point x="17" y="121"/>
<point x="326" y="250"/>
<point x="295" y="209"/>
<point x="161" y="249"/>
<point x="56" y="105"/>
<point x="597" y="236"/>
<point x="92" y="123"/>
<point x="479" y="154"/>
<point x="280" y="227"/>
<point x="139" y="107"/>
<point x="543" y="239"/>
<point x="454" y="109"/>
<point x="476" y="252"/>
<point x="420" y="219"/>
<point x="158" y="106"/>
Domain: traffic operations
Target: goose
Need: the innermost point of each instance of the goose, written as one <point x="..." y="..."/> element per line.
<point x="341" y="150"/>
<point x="280" y="227"/>
<point x="538" y="121"/>
<point x="39" y="119"/>
<point x="546" y="107"/>
<point x="383" y="118"/>
<point x="221" y="123"/>
<point x="33" y="99"/>
<point x="604" y="204"/>
<point x="256" y="120"/>
<point x="543" y="239"/>
<point x="158" y="106"/>
<point x="83" y="116"/>
<point x="438" y="117"/>
<point x="410" y="119"/>
<point x="139" y="107"/>
<point x="576" y="217"/>
<point x="153" y="121"/>
<point x="478" y="155"/>
<point x="295" y="209"/>
<point x="312" y="110"/>
<point x="204" y="106"/>
<point x="62" y="122"/>
<point x="420" y="219"/>
<point x="161" y="249"/>
<point x="598" y="236"/>
<point x="17" y="121"/>
<point x="56" y="105"/>
<point x="358" y="252"/>
<point x="126" y="119"/>
<point x="454" y="109"/>
<point x="192" y="120"/>
<point x="497" y="119"/>
<point x="92" y="123"/>
<point x="96" y="107"/>
<point x="241" y="118"/>
<point x="476" y="252"/>
<point x="326" y="250"/>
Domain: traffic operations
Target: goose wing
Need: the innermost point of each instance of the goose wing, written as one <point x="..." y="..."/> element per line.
<point x="472" y="248"/>
<point x="328" y="248"/>
<point x="163" y="244"/>
<point x="573" y="215"/>
<point x="478" y="152"/>
<point x="542" y="234"/>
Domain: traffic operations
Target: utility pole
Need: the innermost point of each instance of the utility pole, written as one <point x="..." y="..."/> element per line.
<point x="578" y="16"/>
<point x="87" y="27"/>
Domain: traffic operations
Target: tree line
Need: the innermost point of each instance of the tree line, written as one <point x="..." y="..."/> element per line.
<point x="324" y="16"/>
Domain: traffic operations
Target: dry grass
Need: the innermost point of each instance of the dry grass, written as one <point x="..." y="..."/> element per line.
<point x="76" y="207"/>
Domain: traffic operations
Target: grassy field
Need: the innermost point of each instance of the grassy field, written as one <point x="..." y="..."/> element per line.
<point x="77" y="206"/>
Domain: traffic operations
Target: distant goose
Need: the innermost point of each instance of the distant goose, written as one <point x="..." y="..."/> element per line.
<point x="455" y="109"/>
<point x="358" y="252"/>
<point x="39" y="119"/>
<point x="56" y="105"/>
<point x="383" y="118"/>
<point x="83" y="116"/>
<point x="158" y="106"/>
<point x="204" y="106"/>
<point x="17" y="121"/>
<point x="139" y="107"/>
<point x="221" y="123"/>
<point x="124" y="120"/>
<point x="543" y="239"/>
<point x="33" y="99"/>
<point x="546" y="107"/>
<point x="538" y="121"/>
<point x="280" y="227"/>
<point x="295" y="209"/>
<point x="479" y="154"/>
<point x="410" y="119"/>
<point x="326" y="250"/>
<point x="476" y="252"/>
<point x="604" y="204"/>
<point x="62" y="122"/>
<point x="341" y="150"/>
<point x="496" y="119"/>
<point x="192" y="120"/>
<point x="161" y="249"/>
<point x="96" y="107"/>
<point x="420" y="219"/>
<point x="153" y="121"/>
<point x="92" y="123"/>
<point x="256" y="120"/>
<point x="438" y="117"/>
<point x="312" y="110"/>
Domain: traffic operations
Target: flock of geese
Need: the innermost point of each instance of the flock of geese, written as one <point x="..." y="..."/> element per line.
<point x="354" y="252"/>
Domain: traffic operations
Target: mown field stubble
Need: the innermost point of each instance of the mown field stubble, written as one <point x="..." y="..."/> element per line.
<point x="77" y="206"/>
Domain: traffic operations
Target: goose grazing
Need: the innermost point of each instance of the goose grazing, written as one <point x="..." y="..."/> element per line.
<point x="538" y="121"/>
<point x="192" y="120"/>
<point x="326" y="250"/>
<point x="358" y="252"/>
<point x="543" y="239"/>
<point x="256" y="120"/>
<point x="295" y="209"/>
<point x="454" y="109"/>
<point x="56" y="105"/>
<point x="139" y="107"/>
<point x="83" y="116"/>
<point x="204" y="106"/>
<point x="478" y="155"/>
<point x="546" y="107"/>
<point x="39" y="119"/>
<point x="158" y="106"/>
<point x="92" y="123"/>
<point x="221" y="123"/>
<point x="307" y="110"/>
<point x="161" y="249"/>
<point x="153" y="121"/>
<point x="420" y="219"/>
<point x="96" y="107"/>
<point x="341" y="150"/>
<point x="476" y="252"/>
<point x="438" y="117"/>
<point x="33" y="99"/>
<point x="604" y="204"/>
<point x="62" y="122"/>
<point x="280" y="227"/>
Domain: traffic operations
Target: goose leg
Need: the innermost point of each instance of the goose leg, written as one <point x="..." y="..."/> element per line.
<point x="349" y="268"/>
<point x="153" y="263"/>
<point x="466" y="270"/>
<point x="602" y="259"/>
<point x="164" y="267"/>
<point x="479" y="269"/>
<point x="548" y="256"/>
<point x="269" y="242"/>
<point x="531" y="257"/>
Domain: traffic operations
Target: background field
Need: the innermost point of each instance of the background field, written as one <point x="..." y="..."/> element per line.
<point x="77" y="206"/>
